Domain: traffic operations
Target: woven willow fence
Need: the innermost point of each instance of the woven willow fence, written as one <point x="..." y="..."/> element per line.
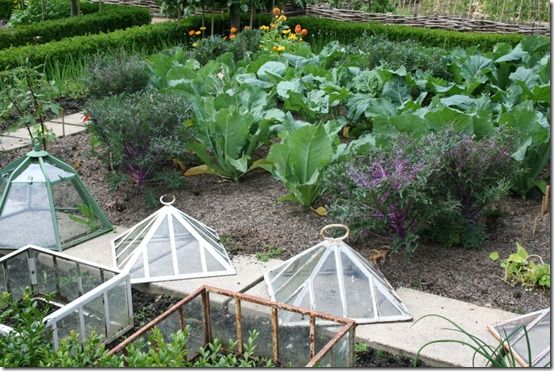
<point x="455" y="23"/>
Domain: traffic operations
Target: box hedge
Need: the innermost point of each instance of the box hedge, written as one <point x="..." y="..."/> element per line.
<point x="5" y="9"/>
<point x="111" y="18"/>
<point x="148" y="38"/>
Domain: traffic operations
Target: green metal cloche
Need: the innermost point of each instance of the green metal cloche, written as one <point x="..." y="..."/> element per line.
<point x="44" y="202"/>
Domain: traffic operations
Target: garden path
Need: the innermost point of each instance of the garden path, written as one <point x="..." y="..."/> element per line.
<point x="61" y="126"/>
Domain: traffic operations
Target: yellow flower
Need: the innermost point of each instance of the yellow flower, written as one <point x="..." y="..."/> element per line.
<point x="293" y="36"/>
<point x="198" y="33"/>
<point x="264" y="28"/>
<point x="203" y="28"/>
<point x="191" y="33"/>
<point x="282" y="18"/>
<point x="286" y="31"/>
<point x="194" y="45"/>
<point x="280" y="48"/>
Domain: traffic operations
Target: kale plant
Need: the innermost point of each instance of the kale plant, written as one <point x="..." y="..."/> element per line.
<point x="139" y="133"/>
<point x="473" y="174"/>
<point x="385" y="190"/>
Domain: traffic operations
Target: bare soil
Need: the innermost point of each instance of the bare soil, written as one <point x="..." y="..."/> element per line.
<point x="250" y="219"/>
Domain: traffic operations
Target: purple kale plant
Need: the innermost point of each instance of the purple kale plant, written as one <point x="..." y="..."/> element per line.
<point x="385" y="191"/>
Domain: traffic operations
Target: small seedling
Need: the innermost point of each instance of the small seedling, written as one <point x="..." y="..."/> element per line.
<point x="270" y="253"/>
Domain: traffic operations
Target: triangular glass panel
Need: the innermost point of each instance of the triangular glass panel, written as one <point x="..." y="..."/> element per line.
<point x="43" y="202"/>
<point x="533" y="329"/>
<point x="170" y="245"/>
<point x="331" y="277"/>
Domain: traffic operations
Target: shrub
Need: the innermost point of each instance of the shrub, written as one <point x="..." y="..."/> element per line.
<point x="112" y="17"/>
<point x="53" y="9"/>
<point x="139" y="133"/>
<point x="5" y="9"/>
<point x="208" y="48"/>
<point x="116" y="74"/>
<point x="148" y="38"/>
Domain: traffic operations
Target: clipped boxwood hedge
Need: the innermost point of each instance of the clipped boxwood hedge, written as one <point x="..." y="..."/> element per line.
<point x="346" y="32"/>
<point x="149" y="38"/>
<point x="5" y="9"/>
<point x="112" y="17"/>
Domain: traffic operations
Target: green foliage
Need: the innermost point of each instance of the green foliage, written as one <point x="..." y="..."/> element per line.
<point x="33" y="12"/>
<point x="111" y="18"/>
<point x="299" y="162"/>
<point x="87" y="217"/>
<point x="72" y="352"/>
<point x="270" y="253"/>
<point x="140" y="133"/>
<point x="209" y="48"/>
<point x="521" y="268"/>
<point x="115" y="74"/>
<point x="30" y="99"/>
<point x="149" y="38"/>
<point x="394" y="54"/>
<point x="5" y="9"/>
<point x="29" y="341"/>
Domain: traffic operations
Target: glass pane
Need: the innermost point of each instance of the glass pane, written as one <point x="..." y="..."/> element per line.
<point x="95" y="318"/>
<point x="126" y="244"/>
<point x="342" y="354"/>
<point x="294" y="346"/>
<point x="188" y="251"/>
<point x="326" y="288"/>
<point x="160" y="258"/>
<point x="138" y="269"/>
<point x="195" y="322"/>
<point x="46" y="274"/>
<point x="75" y="217"/>
<point x="296" y="274"/>
<point x="90" y="277"/>
<point x="26" y="217"/>
<point x="223" y="319"/>
<point x="68" y="323"/>
<point x="385" y="305"/>
<point x="258" y="317"/>
<point x="211" y="263"/>
<point x="69" y="280"/>
<point x="539" y="339"/>
<point x="356" y="285"/>
<point x="18" y="273"/>
<point x="118" y="308"/>
<point x="543" y="362"/>
<point x="170" y="325"/>
<point x="34" y="173"/>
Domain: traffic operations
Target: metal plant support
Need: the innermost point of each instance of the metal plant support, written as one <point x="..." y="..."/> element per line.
<point x="89" y="297"/>
<point x="44" y="202"/>
<point x="211" y="312"/>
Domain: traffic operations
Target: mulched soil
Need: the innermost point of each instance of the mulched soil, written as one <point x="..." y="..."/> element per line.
<point x="249" y="219"/>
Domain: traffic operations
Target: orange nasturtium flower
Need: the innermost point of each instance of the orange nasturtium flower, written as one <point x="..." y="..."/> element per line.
<point x="282" y="18"/>
<point x="304" y="32"/>
<point x="276" y="12"/>
<point x="191" y="33"/>
<point x="246" y="28"/>
<point x="232" y="36"/>
<point x="233" y="29"/>
<point x="297" y="28"/>
<point x="273" y="26"/>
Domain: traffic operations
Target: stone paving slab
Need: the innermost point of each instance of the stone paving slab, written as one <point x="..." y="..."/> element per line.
<point x="73" y="119"/>
<point x="64" y="129"/>
<point x="19" y="133"/>
<point x="8" y="143"/>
